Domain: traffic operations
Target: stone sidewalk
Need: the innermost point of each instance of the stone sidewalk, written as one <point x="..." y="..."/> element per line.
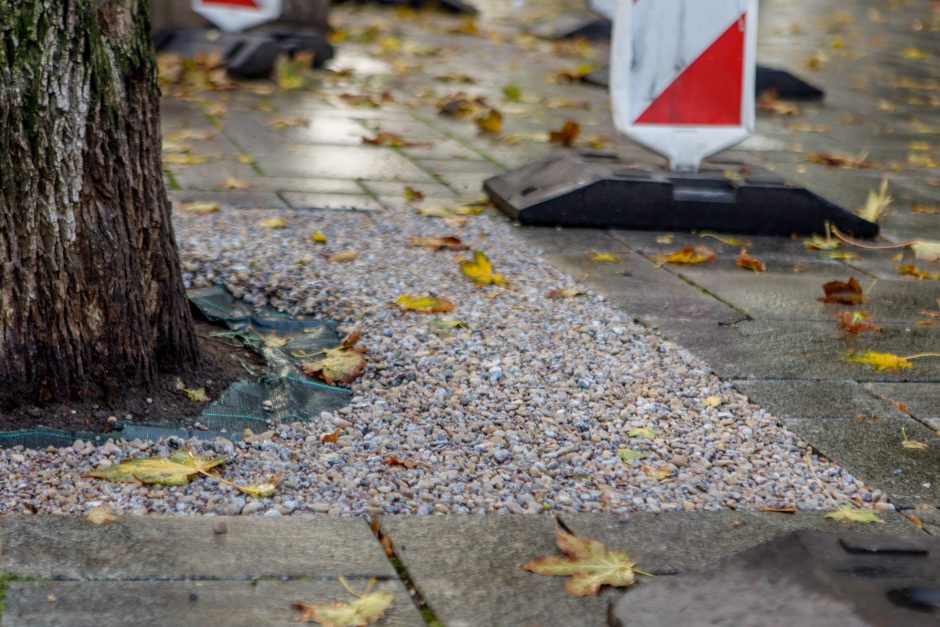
<point x="459" y="571"/>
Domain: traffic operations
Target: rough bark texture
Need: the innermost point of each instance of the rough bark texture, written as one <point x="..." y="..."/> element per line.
<point x="91" y="296"/>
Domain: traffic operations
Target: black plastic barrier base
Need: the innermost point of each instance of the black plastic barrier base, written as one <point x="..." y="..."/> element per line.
<point x="246" y="55"/>
<point x="785" y="84"/>
<point x="601" y="191"/>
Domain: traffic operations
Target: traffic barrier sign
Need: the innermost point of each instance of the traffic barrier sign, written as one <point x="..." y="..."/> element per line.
<point x="682" y="75"/>
<point x="234" y="16"/>
<point x="683" y="85"/>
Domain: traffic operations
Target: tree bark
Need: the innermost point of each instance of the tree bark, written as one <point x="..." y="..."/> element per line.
<point x="91" y="296"/>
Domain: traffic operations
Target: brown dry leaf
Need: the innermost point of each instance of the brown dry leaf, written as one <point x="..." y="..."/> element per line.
<point x="367" y="609"/>
<point x="281" y="122"/>
<point x="917" y="522"/>
<point x="424" y="304"/>
<point x="344" y="256"/>
<point x="330" y="437"/>
<point x="769" y="102"/>
<point x="393" y="140"/>
<point x="880" y="361"/>
<point x="856" y="322"/>
<point x="844" y="293"/>
<point x="786" y="509"/>
<point x="490" y="121"/>
<point x="567" y="292"/>
<point x="201" y="208"/>
<point x="392" y="460"/>
<point x="589" y="563"/>
<point x="567" y="135"/>
<point x="448" y="242"/>
<point x="747" y="262"/>
<point x="687" y="255"/>
<point x="921" y="208"/>
<point x="841" y="160"/>
<point x="343" y="364"/>
<point x="233" y="182"/>
<point x="481" y="270"/>
<point x="101" y="515"/>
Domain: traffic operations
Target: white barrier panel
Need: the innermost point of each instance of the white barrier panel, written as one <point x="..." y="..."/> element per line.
<point x="682" y="75"/>
<point x="607" y="8"/>
<point x="234" y="16"/>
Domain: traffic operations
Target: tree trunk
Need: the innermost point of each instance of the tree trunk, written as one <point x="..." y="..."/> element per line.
<point x="91" y="295"/>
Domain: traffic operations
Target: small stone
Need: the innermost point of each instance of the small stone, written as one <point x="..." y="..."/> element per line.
<point x="219" y="527"/>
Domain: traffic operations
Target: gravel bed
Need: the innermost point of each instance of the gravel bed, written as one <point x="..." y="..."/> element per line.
<point x="523" y="411"/>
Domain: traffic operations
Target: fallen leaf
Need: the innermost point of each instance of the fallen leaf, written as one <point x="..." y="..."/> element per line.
<point x="850" y="513"/>
<point x="910" y="269"/>
<point x="917" y="522"/>
<point x="567" y="292"/>
<point x="589" y="563"/>
<point x="281" y="122"/>
<point x="233" y="182"/>
<point x="840" y="160"/>
<point x="712" y="401"/>
<point x="668" y="238"/>
<point x="601" y="257"/>
<point x="643" y="432"/>
<point x="927" y="250"/>
<point x="856" y="322"/>
<point x="444" y="326"/>
<point x="343" y="364"/>
<point x="842" y="254"/>
<point x="184" y="159"/>
<point x="260" y="490"/>
<point x="367" y="609"/>
<point x="344" y="256"/>
<point x="176" y="470"/>
<point x="330" y="438"/>
<point x="448" y="242"/>
<point x="392" y="460"/>
<point x="490" y="121"/>
<point x="786" y="509"/>
<point x="920" y="208"/>
<point x="318" y="238"/>
<point x="101" y="515"/>
<point x="481" y="270"/>
<point x="273" y="223"/>
<point x="392" y="140"/>
<point x="201" y="208"/>
<point x="849" y="293"/>
<point x="915" y="54"/>
<point x="747" y="262"/>
<point x="424" y="304"/>
<point x="876" y="204"/>
<point x="246" y="159"/>
<point x="412" y="194"/>
<point x="769" y="102"/>
<point x="908" y="443"/>
<point x="629" y="455"/>
<point x="197" y="395"/>
<point x="567" y="135"/>
<point x="659" y="474"/>
<point x="687" y="255"/>
<point x="290" y="72"/>
<point x="512" y="93"/>
<point x="827" y="242"/>
<point x="880" y="361"/>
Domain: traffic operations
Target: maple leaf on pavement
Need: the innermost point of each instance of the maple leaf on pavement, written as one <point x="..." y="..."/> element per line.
<point x="589" y="563"/>
<point x="343" y="364"/>
<point x="850" y="513"/>
<point x="845" y="293"/>
<point x="687" y="255"/>
<point x="368" y="608"/>
<point x="747" y="262"/>
<point x="567" y="135"/>
<point x="880" y="361"/>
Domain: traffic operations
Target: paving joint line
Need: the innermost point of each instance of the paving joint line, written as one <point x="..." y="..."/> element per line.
<point x="459" y="139"/>
<point x="416" y="596"/>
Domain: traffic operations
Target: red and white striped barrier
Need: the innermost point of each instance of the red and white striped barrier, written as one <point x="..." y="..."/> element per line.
<point x="234" y="16"/>
<point x="682" y="75"/>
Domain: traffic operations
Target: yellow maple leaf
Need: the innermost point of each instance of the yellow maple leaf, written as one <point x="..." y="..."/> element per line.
<point x="233" y="182"/>
<point x="589" y="563"/>
<point x="260" y="489"/>
<point x="915" y="445"/>
<point x="368" y="608"/>
<point x="642" y="432"/>
<point x="712" y="401"/>
<point x="481" y="270"/>
<point x="273" y="223"/>
<point x="602" y="257"/>
<point x="197" y="395"/>
<point x="184" y="159"/>
<point x="850" y="513"/>
<point x="687" y="255"/>
<point x="175" y="470"/>
<point x="490" y="121"/>
<point x="101" y="515"/>
<point x="424" y="304"/>
<point x="876" y="204"/>
<point x="201" y="208"/>
<point x="318" y="238"/>
<point x="880" y="361"/>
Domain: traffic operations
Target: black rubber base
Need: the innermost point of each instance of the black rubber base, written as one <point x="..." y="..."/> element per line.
<point x="595" y="190"/>
<point x="786" y="85"/>
<point x="246" y="55"/>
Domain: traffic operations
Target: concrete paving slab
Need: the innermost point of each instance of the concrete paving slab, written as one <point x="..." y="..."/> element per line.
<point x="675" y="542"/>
<point x="59" y="547"/>
<point x="306" y="184"/>
<point x="393" y="189"/>
<point x="921" y="399"/>
<point x="769" y="349"/>
<point x="467" y="568"/>
<point x="777" y="296"/>
<point x="163" y="603"/>
<point x="337" y="202"/>
<point x="344" y="162"/>
<point x="872" y="451"/>
<point x="817" y="399"/>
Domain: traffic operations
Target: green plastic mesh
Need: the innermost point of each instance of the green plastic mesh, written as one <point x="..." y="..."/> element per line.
<point x="282" y="394"/>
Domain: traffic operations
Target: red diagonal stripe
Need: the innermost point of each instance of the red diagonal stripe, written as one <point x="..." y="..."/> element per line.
<point x="709" y="90"/>
<point x="251" y="4"/>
